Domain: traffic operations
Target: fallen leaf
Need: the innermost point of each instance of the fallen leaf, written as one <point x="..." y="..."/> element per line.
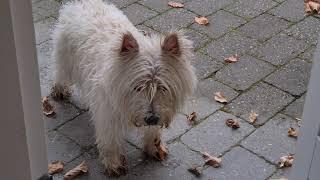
<point x="55" y="167"/>
<point x="307" y="8"/>
<point x="47" y="108"/>
<point x="201" y="20"/>
<point x="196" y="170"/>
<point x="218" y="96"/>
<point x="175" y="4"/>
<point x="253" y="117"/>
<point x="311" y="6"/>
<point x="162" y="151"/>
<point x="286" y="161"/>
<point x="73" y="173"/>
<point x="233" y="58"/>
<point x="59" y="92"/>
<point x="234" y="124"/>
<point x="192" y="117"/>
<point x="211" y="160"/>
<point x="292" y="132"/>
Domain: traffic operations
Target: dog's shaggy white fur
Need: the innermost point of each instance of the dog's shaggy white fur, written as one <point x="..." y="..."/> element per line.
<point x="127" y="79"/>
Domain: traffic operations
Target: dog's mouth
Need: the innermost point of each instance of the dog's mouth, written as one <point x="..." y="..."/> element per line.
<point x="164" y="124"/>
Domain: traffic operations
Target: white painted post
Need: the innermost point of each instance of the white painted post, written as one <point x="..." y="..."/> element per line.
<point x="22" y="148"/>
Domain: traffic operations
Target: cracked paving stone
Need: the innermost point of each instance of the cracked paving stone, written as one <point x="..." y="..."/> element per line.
<point x="308" y="54"/>
<point x="240" y="164"/>
<point x="173" y="19"/>
<point x="205" y="65"/>
<point x="137" y="13"/>
<point x="200" y="138"/>
<point x="221" y="23"/>
<point x="198" y="39"/>
<point x="177" y="127"/>
<point x="263" y="99"/>
<point x="307" y="30"/>
<point x="271" y="140"/>
<point x="208" y="87"/>
<point x="295" y="109"/>
<point x="206" y="7"/>
<point x="281" y="173"/>
<point x="157" y="5"/>
<point x="279" y="49"/>
<point x="260" y="28"/>
<point x="43" y="30"/>
<point x="230" y="44"/>
<point x="244" y="73"/>
<point x="80" y="129"/>
<point x="61" y="148"/>
<point x="250" y="8"/>
<point x="292" y="10"/>
<point x="292" y="78"/>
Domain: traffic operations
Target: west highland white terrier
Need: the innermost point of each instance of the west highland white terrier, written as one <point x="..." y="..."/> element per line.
<point x="127" y="79"/>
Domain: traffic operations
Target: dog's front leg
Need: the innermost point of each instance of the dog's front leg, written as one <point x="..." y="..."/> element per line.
<point x="152" y="143"/>
<point x="109" y="140"/>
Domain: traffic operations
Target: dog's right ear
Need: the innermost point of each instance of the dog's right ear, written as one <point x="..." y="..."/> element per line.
<point x="129" y="44"/>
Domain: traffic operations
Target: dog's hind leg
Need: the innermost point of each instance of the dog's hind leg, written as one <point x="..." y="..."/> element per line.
<point x="152" y="143"/>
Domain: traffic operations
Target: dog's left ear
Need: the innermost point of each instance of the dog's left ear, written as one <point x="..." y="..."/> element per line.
<point x="171" y="44"/>
<point x="129" y="44"/>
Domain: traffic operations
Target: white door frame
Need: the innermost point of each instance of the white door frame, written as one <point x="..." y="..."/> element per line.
<point x="23" y="149"/>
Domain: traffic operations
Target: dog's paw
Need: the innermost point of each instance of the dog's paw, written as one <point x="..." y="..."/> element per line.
<point x="117" y="169"/>
<point x="60" y="92"/>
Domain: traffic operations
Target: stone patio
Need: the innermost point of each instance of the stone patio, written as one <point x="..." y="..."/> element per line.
<point x="275" y="41"/>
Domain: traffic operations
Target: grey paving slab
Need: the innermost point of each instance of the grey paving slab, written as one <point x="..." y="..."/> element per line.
<point x="247" y="71"/>
<point x="63" y="112"/>
<point x="61" y="148"/>
<point x="173" y="19"/>
<point x="44" y="9"/>
<point x="208" y="87"/>
<point x="43" y="30"/>
<point x="295" y="109"/>
<point x="203" y="106"/>
<point x="271" y="140"/>
<point x="264" y="27"/>
<point x="177" y="127"/>
<point x="198" y="39"/>
<point x="292" y="10"/>
<point x="121" y="3"/>
<point x="250" y="8"/>
<point x="307" y="30"/>
<point x="240" y="164"/>
<point x="308" y="54"/>
<point x="281" y="173"/>
<point x="220" y="23"/>
<point x="146" y="29"/>
<point x="280" y="49"/>
<point x="206" y="7"/>
<point x="230" y="44"/>
<point x="205" y="65"/>
<point x="137" y="13"/>
<point x="292" y="78"/>
<point x="157" y="5"/>
<point x="80" y="129"/>
<point x="200" y="138"/>
<point x="262" y="98"/>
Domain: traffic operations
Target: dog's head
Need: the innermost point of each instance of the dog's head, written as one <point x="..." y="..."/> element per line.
<point x="152" y="78"/>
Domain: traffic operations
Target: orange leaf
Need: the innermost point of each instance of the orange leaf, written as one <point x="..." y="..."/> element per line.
<point x="73" y="173"/>
<point x="286" y="161"/>
<point x="218" y="96"/>
<point x="201" y="20"/>
<point x="253" y="117"/>
<point x="196" y="170"/>
<point x="211" y="160"/>
<point x="175" y="4"/>
<point x="192" y="117"/>
<point x="233" y="58"/>
<point x="292" y="132"/>
<point x="47" y="108"/>
<point x="55" y="167"/>
<point x="162" y="151"/>
<point x="233" y="123"/>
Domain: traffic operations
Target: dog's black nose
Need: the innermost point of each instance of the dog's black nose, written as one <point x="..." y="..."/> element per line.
<point x="152" y="120"/>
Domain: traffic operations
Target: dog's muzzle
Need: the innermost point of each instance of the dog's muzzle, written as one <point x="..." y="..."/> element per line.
<point x="152" y="120"/>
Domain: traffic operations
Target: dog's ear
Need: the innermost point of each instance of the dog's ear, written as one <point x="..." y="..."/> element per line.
<point x="171" y="44"/>
<point x="129" y="44"/>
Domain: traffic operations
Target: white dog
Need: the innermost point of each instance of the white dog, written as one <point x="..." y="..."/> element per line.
<point x="124" y="77"/>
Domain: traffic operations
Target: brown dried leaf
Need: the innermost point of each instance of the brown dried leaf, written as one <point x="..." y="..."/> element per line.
<point x="73" y="173"/>
<point x="47" y="108"/>
<point x="162" y="151"/>
<point x="218" y="96"/>
<point x="192" y="117"/>
<point x="292" y="132"/>
<point x="233" y="58"/>
<point x="211" y="160"/>
<point x="307" y="8"/>
<point x="286" y="161"/>
<point x="55" y="167"/>
<point x="314" y="6"/>
<point x="253" y="117"/>
<point x="196" y="170"/>
<point x="175" y="4"/>
<point x="234" y="124"/>
<point x="201" y="20"/>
